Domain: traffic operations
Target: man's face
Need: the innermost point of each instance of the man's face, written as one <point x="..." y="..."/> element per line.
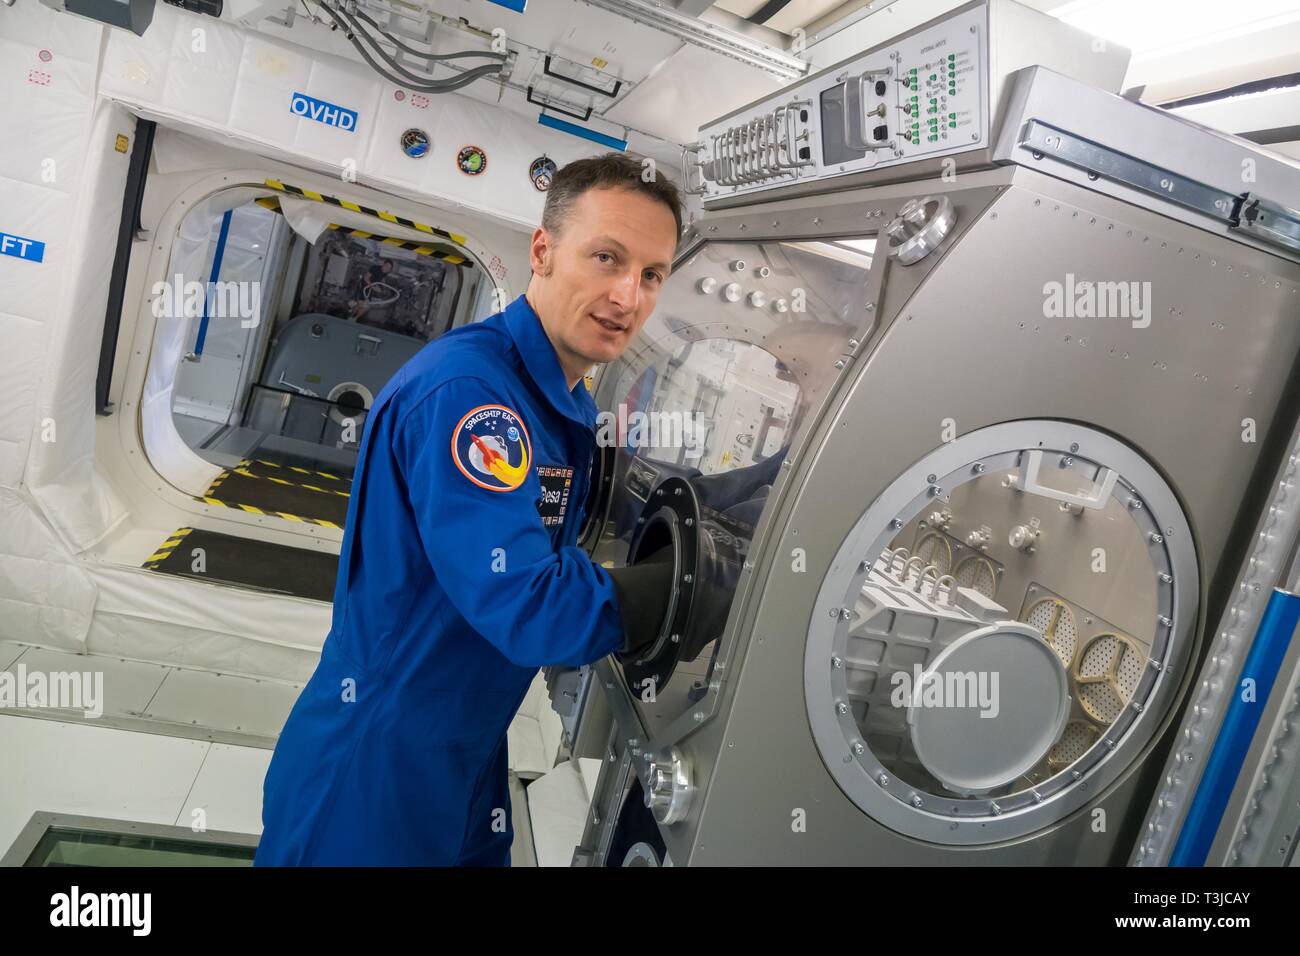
<point x="595" y="284"/>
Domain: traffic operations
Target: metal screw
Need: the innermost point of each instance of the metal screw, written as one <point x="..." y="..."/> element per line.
<point x="978" y="468"/>
<point x="896" y="523"/>
<point x="917" y="801"/>
<point x="837" y="662"/>
<point x="841" y="708"/>
<point x="858" y="748"/>
<point x="1155" y="538"/>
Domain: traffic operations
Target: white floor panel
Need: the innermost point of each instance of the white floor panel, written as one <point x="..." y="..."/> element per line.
<point x="79" y="768"/>
<point x="524" y="745"/>
<point x="228" y="790"/>
<point x="10" y="652"/>
<point x="557" y="807"/>
<point x="223" y="702"/>
<point x="128" y="686"/>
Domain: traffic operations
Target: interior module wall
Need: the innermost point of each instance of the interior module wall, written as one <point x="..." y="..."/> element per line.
<point x="215" y="76"/>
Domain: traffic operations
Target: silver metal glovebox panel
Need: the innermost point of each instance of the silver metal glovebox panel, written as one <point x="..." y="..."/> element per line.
<point x="972" y="343"/>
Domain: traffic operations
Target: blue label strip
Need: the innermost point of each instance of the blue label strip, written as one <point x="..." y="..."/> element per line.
<point x="216" y="272"/>
<point x="20" y="248"/>
<point x="1239" y="724"/>
<point x="308" y="107"/>
<point x="566" y="127"/>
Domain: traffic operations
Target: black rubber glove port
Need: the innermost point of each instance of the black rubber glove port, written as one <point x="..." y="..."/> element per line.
<point x="644" y="590"/>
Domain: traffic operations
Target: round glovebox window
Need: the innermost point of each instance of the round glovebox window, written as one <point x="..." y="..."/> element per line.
<point x="1001" y="632"/>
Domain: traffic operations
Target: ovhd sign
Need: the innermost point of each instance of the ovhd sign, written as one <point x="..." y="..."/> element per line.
<point x="311" y="108"/>
<point x="21" y="248"/>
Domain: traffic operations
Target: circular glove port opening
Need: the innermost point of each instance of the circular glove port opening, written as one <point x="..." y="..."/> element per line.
<point x="1001" y="632"/>
<point x="706" y="560"/>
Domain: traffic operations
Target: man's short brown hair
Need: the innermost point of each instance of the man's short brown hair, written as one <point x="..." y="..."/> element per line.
<point x="609" y="171"/>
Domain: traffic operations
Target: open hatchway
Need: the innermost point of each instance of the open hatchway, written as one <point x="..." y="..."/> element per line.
<point x="277" y="312"/>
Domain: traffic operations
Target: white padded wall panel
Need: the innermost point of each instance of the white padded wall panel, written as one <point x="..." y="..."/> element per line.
<point x="260" y="109"/>
<point x="135" y="68"/>
<point x="203" y="68"/>
<point x="338" y="82"/>
<point x="42" y="214"/>
<point x="48" y="153"/>
<point x="385" y="157"/>
<point x="21" y="361"/>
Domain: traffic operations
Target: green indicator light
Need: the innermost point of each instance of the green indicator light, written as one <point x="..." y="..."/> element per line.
<point x="952" y="56"/>
<point x="953" y="124"/>
<point x="933" y="77"/>
<point x="952" y="116"/>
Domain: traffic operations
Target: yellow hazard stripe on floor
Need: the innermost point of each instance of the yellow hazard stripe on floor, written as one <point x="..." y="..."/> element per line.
<point x="253" y="510"/>
<point x="166" y="548"/>
<point x="217" y="481"/>
<point x="244" y="463"/>
<point x="292" y="484"/>
<point x="377" y="213"/>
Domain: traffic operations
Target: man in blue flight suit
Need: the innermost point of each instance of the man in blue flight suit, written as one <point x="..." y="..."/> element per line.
<point x="459" y="574"/>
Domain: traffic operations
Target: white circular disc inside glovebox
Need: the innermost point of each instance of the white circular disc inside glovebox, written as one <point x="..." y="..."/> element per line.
<point x="989" y="707"/>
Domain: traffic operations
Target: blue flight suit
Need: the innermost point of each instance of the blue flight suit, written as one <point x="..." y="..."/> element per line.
<point x="456" y="582"/>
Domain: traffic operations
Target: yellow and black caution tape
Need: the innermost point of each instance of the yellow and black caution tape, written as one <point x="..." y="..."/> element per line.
<point x="450" y="256"/>
<point x="292" y="484"/>
<point x="254" y="510"/>
<point x="244" y="463"/>
<point x="217" y="481"/>
<point x="166" y="548"/>
<point x="418" y="248"/>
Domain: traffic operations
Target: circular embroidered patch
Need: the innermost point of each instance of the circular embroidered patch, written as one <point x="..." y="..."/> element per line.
<point x="491" y="447"/>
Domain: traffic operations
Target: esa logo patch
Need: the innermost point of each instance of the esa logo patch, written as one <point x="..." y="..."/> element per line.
<point x="556" y="480"/>
<point x="490" y="446"/>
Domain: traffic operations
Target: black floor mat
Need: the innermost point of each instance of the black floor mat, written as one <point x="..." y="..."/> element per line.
<point x="257" y="565"/>
<point x="324" y="504"/>
<point x="271" y="461"/>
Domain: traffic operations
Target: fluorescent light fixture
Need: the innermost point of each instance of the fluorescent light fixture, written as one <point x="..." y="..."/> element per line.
<point x="1154" y="28"/>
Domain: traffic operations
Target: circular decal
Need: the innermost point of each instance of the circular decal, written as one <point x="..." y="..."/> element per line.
<point x="541" y="172"/>
<point x="415" y="143"/>
<point x="46" y="56"/>
<point x="490" y="446"/>
<point x="471" y="160"/>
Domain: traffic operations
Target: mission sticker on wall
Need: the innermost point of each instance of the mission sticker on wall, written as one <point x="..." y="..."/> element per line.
<point x="21" y="248"/>
<point x="300" y="104"/>
<point x="541" y="172"/>
<point x="554" y="501"/>
<point x="415" y="143"/>
<point x="471" y="160"/>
